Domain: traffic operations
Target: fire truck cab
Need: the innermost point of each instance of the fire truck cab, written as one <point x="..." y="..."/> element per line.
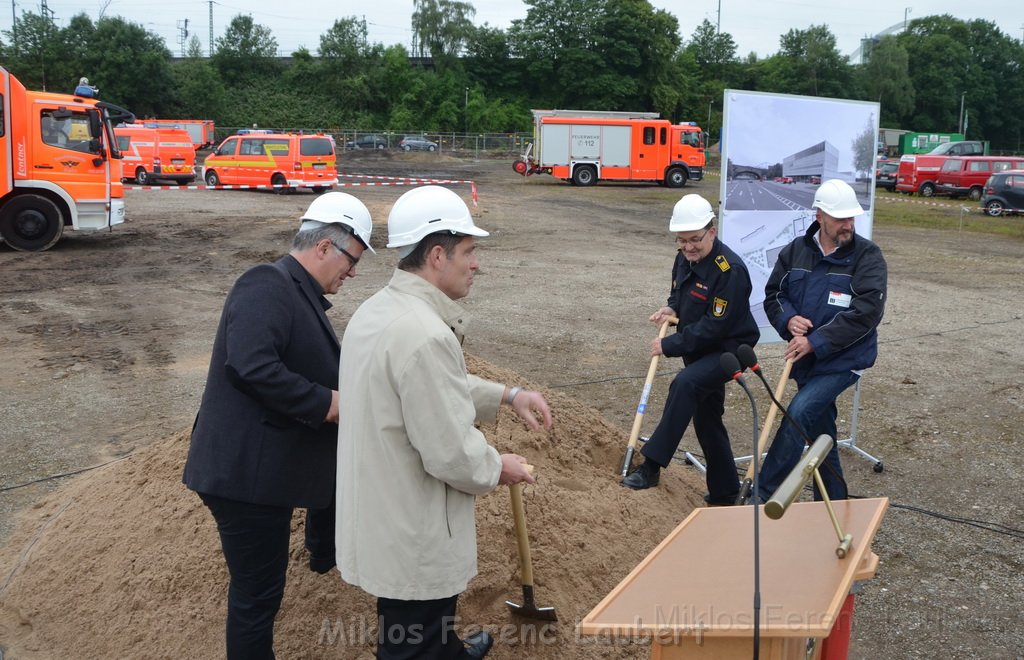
<point x="59" y="165"/>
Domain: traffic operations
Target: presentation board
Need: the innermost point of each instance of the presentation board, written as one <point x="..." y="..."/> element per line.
<point x="776" y="151"/>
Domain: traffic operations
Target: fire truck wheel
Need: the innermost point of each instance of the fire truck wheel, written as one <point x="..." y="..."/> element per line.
<point x="280" y="184"/>
<point x="142" y="177"/>
<point x="31" y="223"/>
<point x="927" y="189"/>
<point x="584" y="175"/>
<point x="212" y="179"/>
<point x="675" y="178"/>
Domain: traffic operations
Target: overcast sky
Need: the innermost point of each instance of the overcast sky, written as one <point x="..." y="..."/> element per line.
<point x="755" y="25"/>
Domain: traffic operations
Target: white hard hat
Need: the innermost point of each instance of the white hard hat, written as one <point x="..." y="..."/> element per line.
<point x="340" y="208"/>
<point x="428" y="210"/>
<point x="691" y="213"/>
<point x="838" y="199"/>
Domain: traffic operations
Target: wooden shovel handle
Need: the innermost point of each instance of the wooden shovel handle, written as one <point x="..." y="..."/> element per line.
<point x="769" y="421"/>
<point x="634" y="433"/>
<point x="523" y="540"/>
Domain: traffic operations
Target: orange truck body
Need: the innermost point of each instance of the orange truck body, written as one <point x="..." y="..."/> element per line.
<point x="152" y="154"/>
<point x="585" y="147"/>
<point x="918" y="173"/>
<point x="59" y="165"/>
<point x="200" y="130"/>
<point x="282" y="160"/>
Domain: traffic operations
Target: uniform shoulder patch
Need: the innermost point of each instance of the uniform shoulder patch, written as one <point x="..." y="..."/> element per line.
<point x="718" y="309"/>
<point x="723" y="263"/>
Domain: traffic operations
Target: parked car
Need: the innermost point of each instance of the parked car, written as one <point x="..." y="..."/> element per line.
<point x="413" y="143"/>
<point x="967" y="175"/>
<point x="1004" y="193"/>
<point x="886" y="175"/>
<point x="368" y="142"/>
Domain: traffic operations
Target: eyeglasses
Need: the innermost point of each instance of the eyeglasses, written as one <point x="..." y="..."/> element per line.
<point x="695" y="241"/>
<point x="353" y="260"/>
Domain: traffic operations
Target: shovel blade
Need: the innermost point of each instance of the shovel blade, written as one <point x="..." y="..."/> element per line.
<point x="531" y="611"/>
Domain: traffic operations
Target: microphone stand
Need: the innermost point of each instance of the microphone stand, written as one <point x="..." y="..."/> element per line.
<point x="731" y="366"/>
<point x="757" y="523"/>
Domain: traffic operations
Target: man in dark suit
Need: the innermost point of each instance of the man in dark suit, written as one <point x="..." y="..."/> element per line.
<point x="265" y="439"/>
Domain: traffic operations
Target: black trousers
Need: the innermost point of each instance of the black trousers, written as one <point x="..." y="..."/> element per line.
<point x="697" y="394"/>
<point x="418" y="630"/>
<point x="254" y="539"/>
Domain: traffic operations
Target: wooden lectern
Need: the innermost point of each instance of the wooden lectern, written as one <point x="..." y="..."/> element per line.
<point x="693" y="596"/>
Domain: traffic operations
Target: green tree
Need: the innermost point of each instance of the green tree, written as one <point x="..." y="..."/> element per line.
<point x="885" y="78"/>
<point x="949" y="60"/>
<point x="864" y="147"/>
<point x="131" y="66"/>
<point x="600" y="54"/>
<point x="441" y="28"/>
<point x="200" y="90"/>
<point x="809" y="63"/>
<point x="38" y="57"/>
<point x="247" y="50"/>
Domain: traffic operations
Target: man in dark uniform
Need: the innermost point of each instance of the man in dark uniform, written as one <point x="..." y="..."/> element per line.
<point x="266" y="436"/>
<point x="710" y="297"/>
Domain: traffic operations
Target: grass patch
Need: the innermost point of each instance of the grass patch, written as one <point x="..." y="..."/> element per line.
<point x="895" y="209"/>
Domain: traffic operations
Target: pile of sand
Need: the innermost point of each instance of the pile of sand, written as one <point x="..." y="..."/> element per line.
<point x="124" y="562"/>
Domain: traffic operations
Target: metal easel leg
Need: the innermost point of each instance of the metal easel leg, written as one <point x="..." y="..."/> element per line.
<point x="681" y="454"/>
<point x="851" y="442"/>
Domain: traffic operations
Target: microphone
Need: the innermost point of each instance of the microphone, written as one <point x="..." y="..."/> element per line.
<point x="731" y="368"/>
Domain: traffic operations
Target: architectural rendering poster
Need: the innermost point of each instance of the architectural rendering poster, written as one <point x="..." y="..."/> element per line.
<point x="776" y="150"/>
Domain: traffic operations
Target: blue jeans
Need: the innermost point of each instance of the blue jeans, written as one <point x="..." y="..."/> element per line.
<point x="814" y="410"/>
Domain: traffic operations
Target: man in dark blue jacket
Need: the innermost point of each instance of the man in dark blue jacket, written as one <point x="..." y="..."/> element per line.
<point x="265" y="439"/>
<point x="710" y="296"/>
<point x="826" y="297"/>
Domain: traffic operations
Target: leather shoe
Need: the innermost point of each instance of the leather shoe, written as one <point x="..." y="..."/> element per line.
<point x="478" y="644"/>
<point x="643" y="477"/>
<point x="720" y="501"/>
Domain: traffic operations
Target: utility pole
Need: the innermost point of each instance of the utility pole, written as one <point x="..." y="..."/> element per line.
<point x="211" y="28"/>
<point x="14" y="29"/>
<point x="183" y="35"/>
<point x="718" y="25"/>
<point x="47" y="15"/>
<point x="960" y="126"/>
<point x="906" y="11"/>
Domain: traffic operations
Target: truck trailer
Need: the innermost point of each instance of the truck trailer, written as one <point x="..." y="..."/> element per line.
<point x="584" y="147"/>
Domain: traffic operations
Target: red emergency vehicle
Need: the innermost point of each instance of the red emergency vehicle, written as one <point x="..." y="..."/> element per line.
<point x="585" y="147"/>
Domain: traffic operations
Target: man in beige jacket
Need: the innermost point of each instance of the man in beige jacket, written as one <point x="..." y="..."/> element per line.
<point x="410" y="461"/>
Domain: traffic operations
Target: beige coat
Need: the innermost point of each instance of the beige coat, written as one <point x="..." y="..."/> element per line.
<point x="410" y="461"/>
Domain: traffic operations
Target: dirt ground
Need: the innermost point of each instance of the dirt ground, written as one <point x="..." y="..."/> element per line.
<point x="106" y="339"/>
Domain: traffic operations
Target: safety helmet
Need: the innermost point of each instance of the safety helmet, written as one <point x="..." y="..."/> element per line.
<point x="691" y="213"/>
<point x="837" y="198"/>
<point x="428" y="210"/>
<point x="344" y="209"/>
